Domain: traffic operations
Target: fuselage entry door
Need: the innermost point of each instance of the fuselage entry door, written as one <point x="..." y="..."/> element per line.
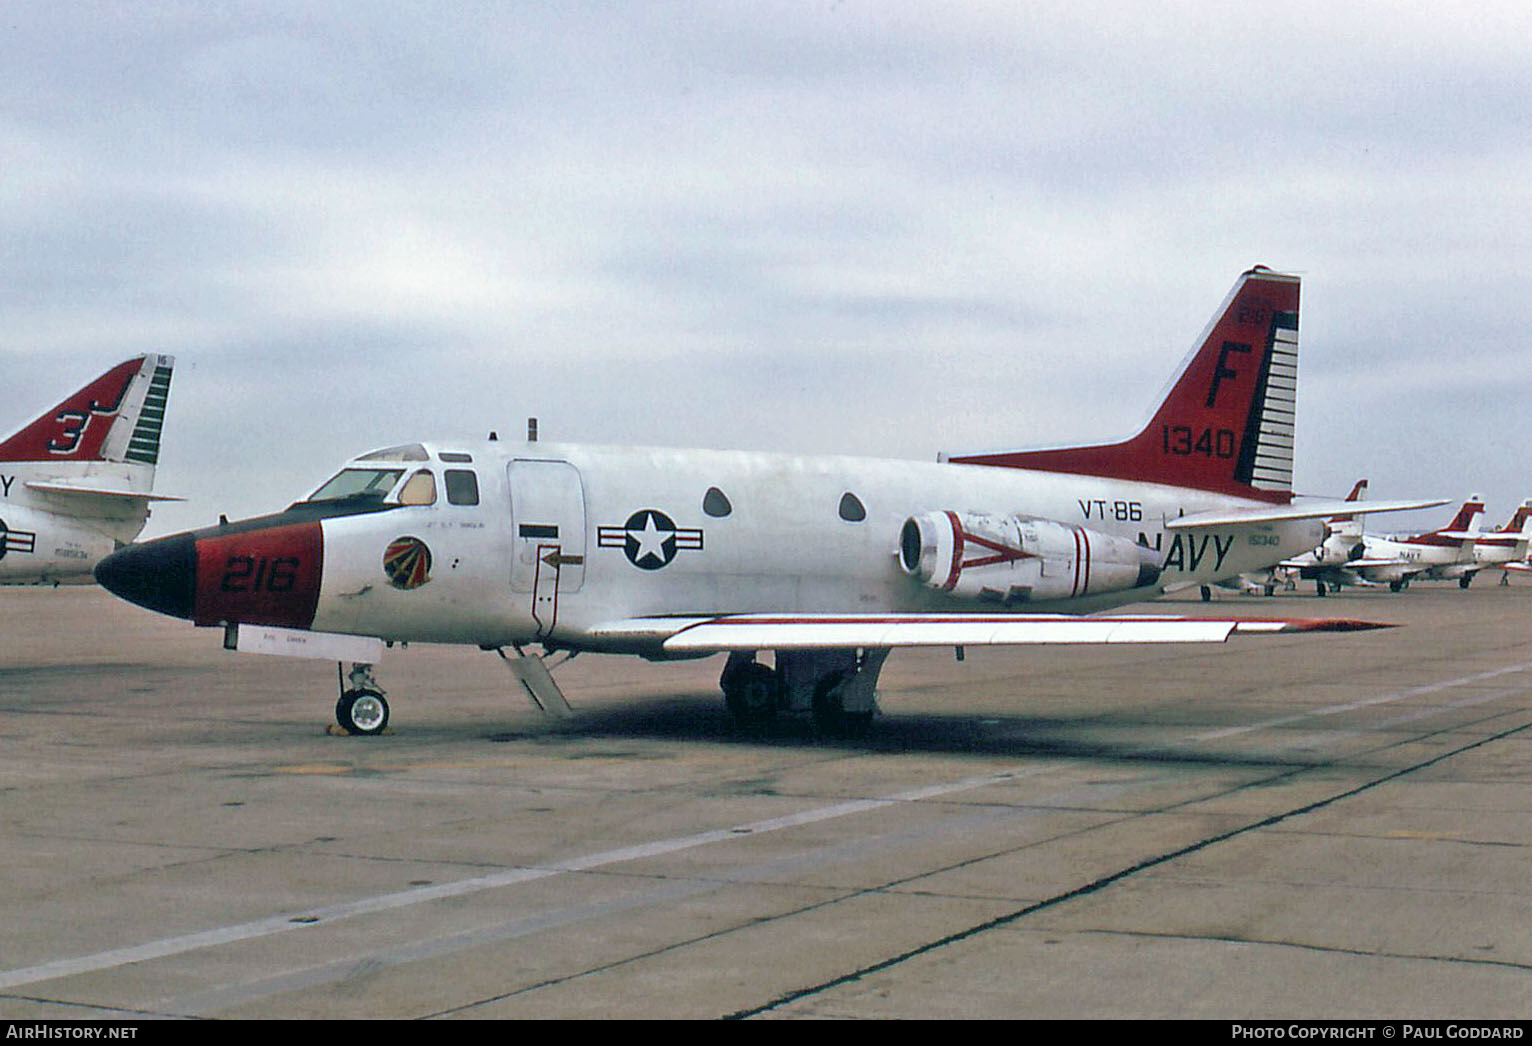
<point x="547" y="534"/>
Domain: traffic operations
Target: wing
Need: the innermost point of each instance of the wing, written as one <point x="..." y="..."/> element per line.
<point x="683" y="636"/>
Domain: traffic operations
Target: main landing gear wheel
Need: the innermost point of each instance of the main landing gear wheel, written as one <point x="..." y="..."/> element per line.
<point x="1396" y="586"/>
<point x="751" y="691"/>
<point x="363" y="713"/>
<point x="1464" y="582"/>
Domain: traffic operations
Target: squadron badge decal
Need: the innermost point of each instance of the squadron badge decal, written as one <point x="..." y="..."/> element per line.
<point x="407" y="562"/>
<point x="649" y="538"/>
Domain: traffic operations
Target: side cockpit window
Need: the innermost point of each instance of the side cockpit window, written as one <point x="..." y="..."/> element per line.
<point x="419" y="489"/>
<point x="462" y="486"/>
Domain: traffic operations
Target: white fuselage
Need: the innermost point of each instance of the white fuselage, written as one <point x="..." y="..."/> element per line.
<point x="52" y="538"/>
<point x="1416" y="559"/>
<point x="564" y="538"/>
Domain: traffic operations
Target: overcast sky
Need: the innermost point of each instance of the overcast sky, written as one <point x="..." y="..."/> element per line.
<point x="857" y="227"/>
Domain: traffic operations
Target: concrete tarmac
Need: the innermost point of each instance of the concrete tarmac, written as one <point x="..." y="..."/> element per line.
<point x="1294" y="827"/>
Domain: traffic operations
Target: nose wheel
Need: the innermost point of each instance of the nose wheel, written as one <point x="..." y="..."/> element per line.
<point x="362" y="710"/>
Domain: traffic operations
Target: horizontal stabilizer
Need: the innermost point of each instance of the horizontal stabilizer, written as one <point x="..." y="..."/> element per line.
<point x="681" y="636"/>
<point x="1298" y="510"/>
<point x="80" y="490"/>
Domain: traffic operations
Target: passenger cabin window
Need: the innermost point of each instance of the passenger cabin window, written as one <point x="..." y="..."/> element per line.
<point x="420" y="489"/>
<point x="851" y="508"/>
<point x="716" y="503"/>
<point x="462" y="486"/>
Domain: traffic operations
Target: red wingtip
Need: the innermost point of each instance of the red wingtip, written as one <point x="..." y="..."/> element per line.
<point x="1311" y="624"/>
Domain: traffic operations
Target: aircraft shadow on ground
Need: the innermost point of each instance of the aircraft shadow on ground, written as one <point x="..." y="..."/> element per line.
<point x="702" y="718"/>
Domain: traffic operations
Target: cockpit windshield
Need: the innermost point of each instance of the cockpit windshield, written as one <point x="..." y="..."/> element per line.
<point x="357" y="485"/>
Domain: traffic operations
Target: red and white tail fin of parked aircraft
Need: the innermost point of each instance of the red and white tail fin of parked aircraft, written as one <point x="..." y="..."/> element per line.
<point x="76" y="481"/>
<point x="827" y="563"/>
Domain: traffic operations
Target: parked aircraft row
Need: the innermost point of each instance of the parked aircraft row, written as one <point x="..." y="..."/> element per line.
<point x="825" y="564"/>
<point x="1457" y="551"/>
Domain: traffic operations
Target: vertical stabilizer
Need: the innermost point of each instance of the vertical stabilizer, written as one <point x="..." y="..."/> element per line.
<point x="1226" y="425"/>
<point x="117" y="417"/>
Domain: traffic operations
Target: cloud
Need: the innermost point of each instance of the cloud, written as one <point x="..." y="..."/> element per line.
<point x="864" y="227"/>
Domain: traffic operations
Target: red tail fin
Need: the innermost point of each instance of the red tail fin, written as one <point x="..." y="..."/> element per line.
<point x="117" y="417"/>
<point x="1227" y="424"/>
<point x="1518" y="519"/>
<point x="1355" y="495"/>
<point x="1471" y="510"/>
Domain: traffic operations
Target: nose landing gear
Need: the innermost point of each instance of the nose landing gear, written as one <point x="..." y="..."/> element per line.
<point x="362" y="710"/>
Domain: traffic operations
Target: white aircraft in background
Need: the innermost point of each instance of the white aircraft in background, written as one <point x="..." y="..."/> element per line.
<point x="1506" y="547"/>
<point x="1444" y="554"/>
<point x="1343" y="541"/>
<point x="827" y="562"/>
<point x="76" y="482"/>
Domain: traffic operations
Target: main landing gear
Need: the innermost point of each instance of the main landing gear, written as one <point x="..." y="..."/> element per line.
<point x="362" y="710"/>
<point x="838" y="687"/>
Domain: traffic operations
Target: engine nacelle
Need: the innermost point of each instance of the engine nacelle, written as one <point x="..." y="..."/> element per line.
<point x="1020" y="559"/>
<point x="1339" y="549"/>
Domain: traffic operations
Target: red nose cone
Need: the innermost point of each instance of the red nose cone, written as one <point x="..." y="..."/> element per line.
<point x="247" y="573"/>
<point x="264" y="576"/>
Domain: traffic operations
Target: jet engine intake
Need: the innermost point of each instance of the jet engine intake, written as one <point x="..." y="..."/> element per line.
<point x="1019" y="559"/>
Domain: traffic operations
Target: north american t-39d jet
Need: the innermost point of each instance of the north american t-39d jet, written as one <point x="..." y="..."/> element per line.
<point x="76" y="481"/>
<point x="826" y="563"/>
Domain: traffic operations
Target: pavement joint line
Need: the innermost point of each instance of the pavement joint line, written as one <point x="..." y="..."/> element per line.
<point x="307" y="919"/>
<point x="1111" y="879"/>
<point x="1352" y="706"/>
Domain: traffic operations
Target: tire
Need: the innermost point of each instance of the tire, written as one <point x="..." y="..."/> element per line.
<point x="362" y="713"/>
<point x="752" y="695"/>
